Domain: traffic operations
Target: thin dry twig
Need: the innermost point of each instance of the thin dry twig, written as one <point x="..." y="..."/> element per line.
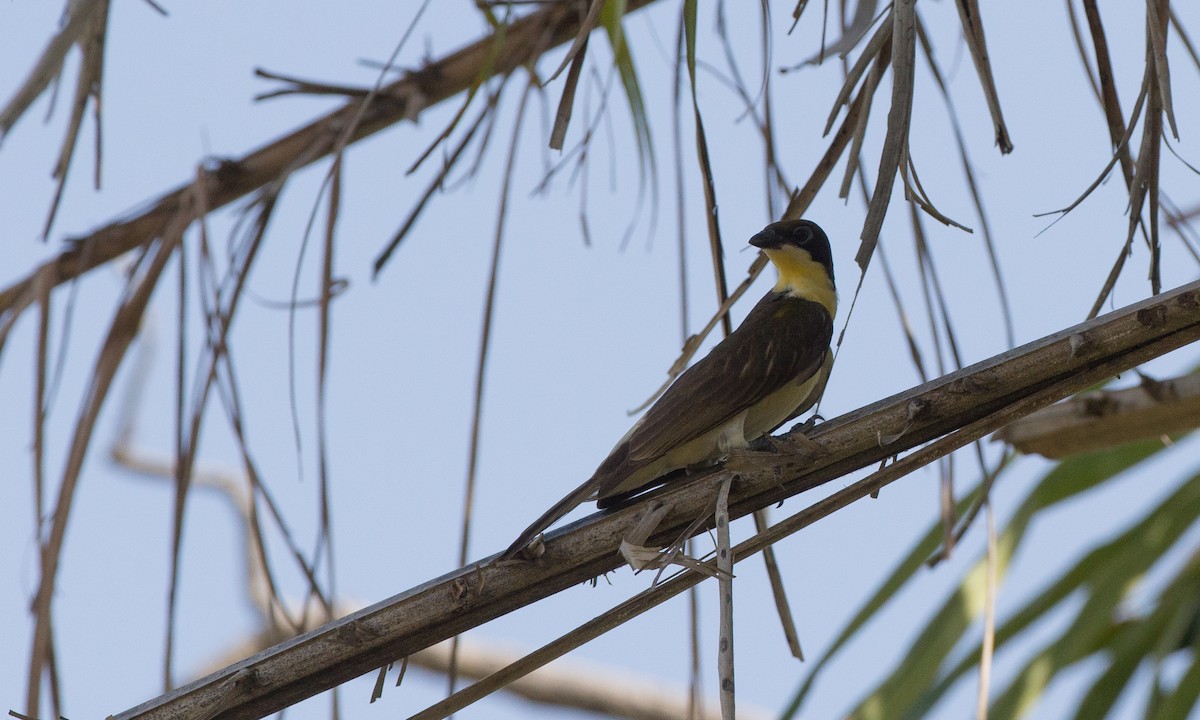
<point x="708" y="182"/>
<point x="1157" y="15"/>
<point x="143" y="280"/>
<point x="972" y="185"/>
<point x="327" y="293"/>
<point x="1143" y="183"/>
<point x="79" y="16"/>
<point x="88" y="86"/>
<point x="85" y="27"/>
<point x="438" y="181"/>
<point x="565" y="104"/>
<point x="724" y="566"/>
<point x="778" y="594"/>
<point x="968" y="13"/>
<point x="773" y="176"/>
<point x="891" y="158"/>
<point x="300" y="86"/>
<point x="574" y="57"/>
<point x="1119" y="155"/>
<point x="937" y="307"/>
<point x="695" y="692"/>
<point x="852" y="33"/>
<point x="221" y="300"/>
<point x="694" y="665"/>
<point x="680" y="184"/>
<point x="915" y="193"/>
<point x="200" y="201"/>
<point x="485" y="342"/>
<point x="1109" y="101"/>
<point x="878" y="46"/>
<point x="1077" y="37"/>
<point x="866" y="97"/>
<point x="1141" y="179"/>
<point x="914" y="350"/>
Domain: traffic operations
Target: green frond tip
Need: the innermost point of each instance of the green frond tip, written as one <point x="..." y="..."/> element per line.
<point x="611" y="17"/>
<point x="1104" y="575"/>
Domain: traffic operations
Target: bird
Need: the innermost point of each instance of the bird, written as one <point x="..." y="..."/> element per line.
<point x="768" y="371"/>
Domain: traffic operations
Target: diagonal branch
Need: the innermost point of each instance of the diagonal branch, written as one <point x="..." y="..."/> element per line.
<point x="403" y="99"/>
<point x="1050" y="368"/>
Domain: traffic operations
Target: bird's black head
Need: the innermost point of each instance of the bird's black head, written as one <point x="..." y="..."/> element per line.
<point x="803" y="234"/>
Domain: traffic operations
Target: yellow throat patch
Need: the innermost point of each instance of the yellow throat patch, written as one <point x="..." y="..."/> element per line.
<point x="801" y="276"/>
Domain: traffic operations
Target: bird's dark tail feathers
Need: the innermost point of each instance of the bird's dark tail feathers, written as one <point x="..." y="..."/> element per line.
<point x="577" y="496"/>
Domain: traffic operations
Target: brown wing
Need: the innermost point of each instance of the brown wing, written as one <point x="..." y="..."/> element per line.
<point x="782" y="338"/>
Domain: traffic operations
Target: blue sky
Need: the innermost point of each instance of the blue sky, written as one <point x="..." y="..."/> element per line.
<point x="581" y="335"/>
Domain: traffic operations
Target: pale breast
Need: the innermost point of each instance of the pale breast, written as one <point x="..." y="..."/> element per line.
<point x="777" y="408"/>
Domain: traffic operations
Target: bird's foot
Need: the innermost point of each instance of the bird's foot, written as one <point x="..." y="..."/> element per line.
<point x="700" y="467"/>
<point x="804" y="427"/>
<point x="755" y="455"/>
<point x="797" y="442"/>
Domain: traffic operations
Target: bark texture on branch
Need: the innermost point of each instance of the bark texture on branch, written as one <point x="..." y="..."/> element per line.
<point x="1106" y="418"/>
<point x="470" y="596"/>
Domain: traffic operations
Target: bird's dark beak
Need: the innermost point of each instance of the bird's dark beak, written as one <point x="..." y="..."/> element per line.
<point x="767" y="239"/>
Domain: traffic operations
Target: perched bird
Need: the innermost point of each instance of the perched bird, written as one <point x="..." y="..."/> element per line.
<point x="769" y="370"/>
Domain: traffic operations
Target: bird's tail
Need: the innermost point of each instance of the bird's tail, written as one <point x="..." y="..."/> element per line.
<point x="562" y="507"/>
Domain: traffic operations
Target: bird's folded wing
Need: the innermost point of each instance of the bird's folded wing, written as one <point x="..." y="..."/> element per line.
<point x="782" y="340"/>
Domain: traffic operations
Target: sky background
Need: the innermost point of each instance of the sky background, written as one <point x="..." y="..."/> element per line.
<point x="581" y="333"/>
